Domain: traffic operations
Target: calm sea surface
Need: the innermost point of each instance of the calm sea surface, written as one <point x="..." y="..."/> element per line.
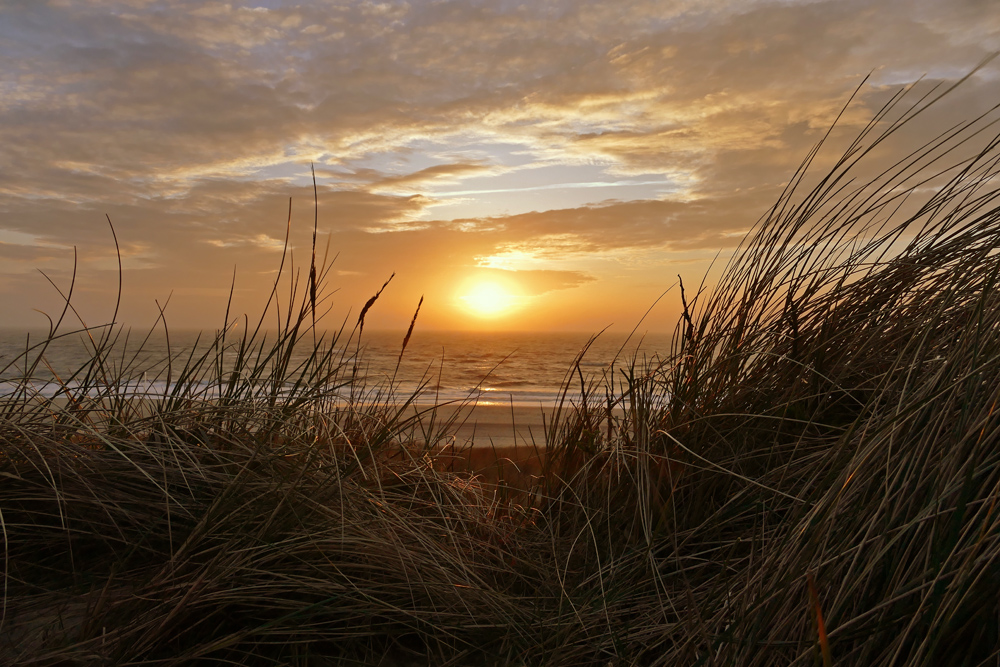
<point x="518" y="368"/>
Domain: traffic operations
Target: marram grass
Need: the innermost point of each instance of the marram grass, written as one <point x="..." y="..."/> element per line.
<point x="810" y="476"/>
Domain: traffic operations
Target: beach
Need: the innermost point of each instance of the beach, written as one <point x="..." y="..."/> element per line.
<point x="490" y="425"/>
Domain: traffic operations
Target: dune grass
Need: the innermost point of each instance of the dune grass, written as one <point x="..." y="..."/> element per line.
<point x="810" y="476"/>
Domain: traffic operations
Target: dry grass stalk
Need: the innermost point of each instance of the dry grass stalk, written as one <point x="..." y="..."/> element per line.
<point x="828" y="407"/>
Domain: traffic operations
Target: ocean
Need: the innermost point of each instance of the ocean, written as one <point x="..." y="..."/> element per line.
<point x="490" y="368"/>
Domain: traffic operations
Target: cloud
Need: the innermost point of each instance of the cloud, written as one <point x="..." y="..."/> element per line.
<point x="440" y="173"/>
<point x="261" y="241"/>
<point x="18" y="257"/>
<point x="536" y="282"/>
<point x="615" y="225"/>
<point x="191" y="125"/>
<point x="169" y="96"/>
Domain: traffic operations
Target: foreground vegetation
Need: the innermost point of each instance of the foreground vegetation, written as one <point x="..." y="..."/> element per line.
<point x="809" y="477"/>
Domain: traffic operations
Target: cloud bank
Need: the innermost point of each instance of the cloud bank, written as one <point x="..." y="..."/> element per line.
<point x="587" y="146"/>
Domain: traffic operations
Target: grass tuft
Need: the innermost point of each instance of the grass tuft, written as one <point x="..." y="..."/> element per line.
<point x="826" y="414"/>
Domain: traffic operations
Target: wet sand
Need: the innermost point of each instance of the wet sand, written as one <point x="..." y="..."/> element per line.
<point x="493" y="425"/>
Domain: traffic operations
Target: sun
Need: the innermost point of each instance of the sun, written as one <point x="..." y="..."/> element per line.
<point x="488" y="299"/>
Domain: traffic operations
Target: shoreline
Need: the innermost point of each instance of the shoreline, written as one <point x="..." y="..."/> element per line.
<point x="493" y="424"/>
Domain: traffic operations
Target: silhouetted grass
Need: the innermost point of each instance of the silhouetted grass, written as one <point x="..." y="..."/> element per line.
<point x="809" y="476"/>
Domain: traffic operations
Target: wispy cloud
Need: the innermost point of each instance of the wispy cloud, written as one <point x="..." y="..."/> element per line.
<point x="552" y="186"/>
<point x="441" y="173"/>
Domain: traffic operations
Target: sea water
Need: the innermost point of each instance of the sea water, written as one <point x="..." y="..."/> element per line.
<point x="435" y="367"/>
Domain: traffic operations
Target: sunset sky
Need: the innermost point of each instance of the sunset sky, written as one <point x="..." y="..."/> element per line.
<point x="543" y="165"/>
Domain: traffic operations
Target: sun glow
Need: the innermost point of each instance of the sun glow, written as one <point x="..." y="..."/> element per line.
<point x="488" y="299"/>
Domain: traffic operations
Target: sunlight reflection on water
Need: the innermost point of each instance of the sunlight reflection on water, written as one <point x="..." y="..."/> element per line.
<point x="497" y="368"/>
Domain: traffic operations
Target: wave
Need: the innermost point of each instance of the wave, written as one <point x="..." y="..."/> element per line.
<point x="204" y="391"/>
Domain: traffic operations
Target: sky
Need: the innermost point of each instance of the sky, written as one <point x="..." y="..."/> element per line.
<point x="550" y="165"/>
